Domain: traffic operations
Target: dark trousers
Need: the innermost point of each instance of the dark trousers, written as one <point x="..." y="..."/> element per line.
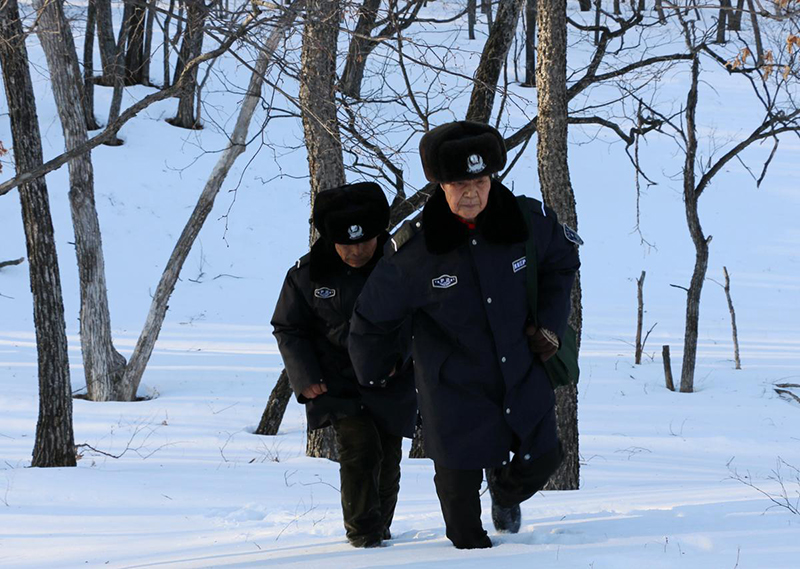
<point x="369" y="469"/>
<point x="459" y="490"/>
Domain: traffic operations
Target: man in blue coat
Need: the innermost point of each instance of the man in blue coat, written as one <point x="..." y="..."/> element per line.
<point x="457" y="272"/>
<point x="311" y="321"/>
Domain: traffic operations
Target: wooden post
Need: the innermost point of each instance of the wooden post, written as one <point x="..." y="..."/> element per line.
<point x="667" y="368"/>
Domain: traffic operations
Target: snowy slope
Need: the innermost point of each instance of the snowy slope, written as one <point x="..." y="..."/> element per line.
<point x="194" y="488"/>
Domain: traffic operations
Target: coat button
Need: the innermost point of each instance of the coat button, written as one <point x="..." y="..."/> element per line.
<point x="508" y="410"/>
<point x="505" y="462"/>
<point x="418" y="224"/>
<point x="372" y="383"/>
<point x="503" y="359"/>
<point x="474" y="241"/>
<point x="527" y="457"/>
<point x="489" y="300"/>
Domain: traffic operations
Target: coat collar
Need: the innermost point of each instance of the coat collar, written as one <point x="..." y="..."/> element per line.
<point x="501" y="221"/>
<point x="324" y="261"/>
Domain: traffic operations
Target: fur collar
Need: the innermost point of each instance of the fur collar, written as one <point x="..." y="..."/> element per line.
<point x="500" y="222"/>
<point x="324" y="261"/>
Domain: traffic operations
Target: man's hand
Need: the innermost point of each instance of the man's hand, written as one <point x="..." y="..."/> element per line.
<point x="314" y="391"/>
<point x="542" y="342"/>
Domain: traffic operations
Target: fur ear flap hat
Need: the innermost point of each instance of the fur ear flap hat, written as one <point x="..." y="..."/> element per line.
<point x="462" y="150"/>
<point x="352" y="213"/>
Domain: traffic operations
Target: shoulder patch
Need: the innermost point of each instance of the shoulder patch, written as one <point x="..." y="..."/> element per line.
<point x="572" y="235"/>
<point x="302" y="261"/>
<point x="404" y="234"/>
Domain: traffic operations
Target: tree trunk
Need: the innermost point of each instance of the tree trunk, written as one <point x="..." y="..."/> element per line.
<point x="756" y="32"/>
<point x="486" y="9"/>
<point x="551" y="81"/>
<point x="148" y="41"/>
<point x="105" y="39"/>
<point x="722" y="21"/>
<point x="734" y="330"/>
<point x="530" y="44"/>
<point x="321" y="129"/>
<point x="690" y="197"/>
<point x="55" y="442"/>
<point x="662" y="16"/>
<point x="134" y="48"/>
<point x="191" y="47"/>
<point x="118" y="79"/>
<point x="492" y="60"/>
<point x="418" y="442"/>
<point x="88" y="66"/>
<point x="167" y="43"/>
<point x="360" y="47"/>
<point x="472" y="17"/>
<point x="238" y="142"/>
<point x="639" y="319"/>
<point x="103" y="365"/>
<point x="735" y="19"/>
<point x="276" y="407"/>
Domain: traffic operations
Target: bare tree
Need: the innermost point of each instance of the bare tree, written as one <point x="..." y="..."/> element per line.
<point x="105" y="40"/>
<point x="103" y="365"/>
<point x="362" y="44"/>
<point x="55" y="443"/>
<point x="191" y="48"/>
<point x="493" y="58"/>
<point x="551" y="81"/>
<point x="639" y="319"/>
<point x="530" y="44"/>
<point x="236" y="146"/>
<point x="321" y="128"/>
<point x="358" y="52"/>
<point x="135" y="57"/>
<point x="88" y="66"/>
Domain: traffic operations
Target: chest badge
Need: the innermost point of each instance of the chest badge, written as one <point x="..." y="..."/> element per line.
<point x="445" y="281"/>
<point x="519" y="264"/>
<point x="324" y="293"/>
<point x="355" y="232"/>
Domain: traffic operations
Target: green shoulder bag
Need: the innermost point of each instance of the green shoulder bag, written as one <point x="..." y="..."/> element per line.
<point x="562" y="369"/>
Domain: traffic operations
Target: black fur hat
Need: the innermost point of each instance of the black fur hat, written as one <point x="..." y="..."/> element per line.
<point x="462" y="150"/>
<point x="352" y="213"/>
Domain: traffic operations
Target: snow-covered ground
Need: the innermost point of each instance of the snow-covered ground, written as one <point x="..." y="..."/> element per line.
<point x="667" y="479"/>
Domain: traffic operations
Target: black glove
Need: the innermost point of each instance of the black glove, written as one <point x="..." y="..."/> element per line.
<point x="542" y="342"/>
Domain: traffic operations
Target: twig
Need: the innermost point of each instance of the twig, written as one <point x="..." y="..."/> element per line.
<point x="12" y="263"/>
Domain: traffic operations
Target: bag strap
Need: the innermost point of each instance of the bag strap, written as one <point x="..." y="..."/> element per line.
<point x="532" y="272"/>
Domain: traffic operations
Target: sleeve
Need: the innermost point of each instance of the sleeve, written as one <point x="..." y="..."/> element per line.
<point x="558" y="265"/>
<point x="378" y="338"/>
<point x="292" y="328"/>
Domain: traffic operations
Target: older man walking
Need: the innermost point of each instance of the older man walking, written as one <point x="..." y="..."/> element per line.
<point x="457" y="272"/>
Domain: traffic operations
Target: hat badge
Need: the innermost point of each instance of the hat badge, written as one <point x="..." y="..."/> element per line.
<point x="475" y="164"/>
<point x="355" y="232"/>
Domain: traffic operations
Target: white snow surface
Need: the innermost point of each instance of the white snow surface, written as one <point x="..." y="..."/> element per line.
<point x="667" y="479"/>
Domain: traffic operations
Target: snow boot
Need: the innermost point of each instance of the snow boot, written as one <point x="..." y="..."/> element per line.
<point x="505" y="519"/>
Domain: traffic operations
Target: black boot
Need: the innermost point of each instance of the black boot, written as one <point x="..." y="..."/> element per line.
<point x="505" y="519"/>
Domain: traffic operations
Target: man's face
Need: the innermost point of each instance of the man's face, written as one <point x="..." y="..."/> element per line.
<point x="358" y="254"/>
<point x="467" y="198"/>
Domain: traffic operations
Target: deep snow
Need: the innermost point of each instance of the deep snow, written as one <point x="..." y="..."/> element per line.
<point x="196" y="489"/>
